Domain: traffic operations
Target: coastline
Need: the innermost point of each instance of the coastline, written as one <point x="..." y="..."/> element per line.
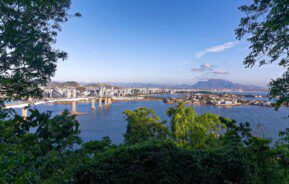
<point x="125" y="99"/>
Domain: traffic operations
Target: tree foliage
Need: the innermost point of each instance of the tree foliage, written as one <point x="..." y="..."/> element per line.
<point x="239" y="157"/>
<point x="181" y="122"/>
<point x="143" y="125"/>
<point x="28" y="30"/>
<point x="217" y="150"/>
<point x="33" y="149"/>
<point x="165" y="162"/>
<point x="189" y="129"/>
<point x="266" y="24"/>
<point x="280" y="88"/>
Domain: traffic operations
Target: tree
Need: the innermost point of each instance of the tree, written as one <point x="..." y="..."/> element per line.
<point x="280" y="88"/>
<point x="165" y="162"/>
<point x="143" y="125"/>
<point x="206" y="130"/>
<point x="266" y="24"/>
<point x="189" y="129"/>
<point x="182" y="119"/>
<point x="93" y="147"/>
<point x="28" y="29"/>
<point x="35" y="148"/>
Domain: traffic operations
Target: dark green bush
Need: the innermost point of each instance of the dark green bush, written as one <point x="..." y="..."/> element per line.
<point x="164" y="162"/>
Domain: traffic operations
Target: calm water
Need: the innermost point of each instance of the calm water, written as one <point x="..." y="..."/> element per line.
<point x="110" y="121"/>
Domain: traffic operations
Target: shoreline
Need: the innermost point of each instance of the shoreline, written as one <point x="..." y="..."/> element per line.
<point x="86" y="100"/>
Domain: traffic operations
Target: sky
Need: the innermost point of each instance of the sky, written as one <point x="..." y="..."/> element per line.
<point x="157" y="41"/>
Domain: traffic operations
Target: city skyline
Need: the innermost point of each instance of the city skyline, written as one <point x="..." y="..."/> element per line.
<point x="164" y="42"/>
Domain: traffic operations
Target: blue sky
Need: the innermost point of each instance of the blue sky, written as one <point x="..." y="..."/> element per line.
<point x="156" y="41"/>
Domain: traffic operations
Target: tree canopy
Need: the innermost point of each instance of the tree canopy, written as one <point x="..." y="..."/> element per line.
<point x="28" y="30"/>
<point x="266" y="27"/>
<point x="206" y="154"/>
<point x="143" y="125"/>
<point x="192" y="130"/>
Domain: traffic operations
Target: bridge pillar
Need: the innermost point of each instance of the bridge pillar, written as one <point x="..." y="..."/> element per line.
<point x="105" y="101"/>
<point x="109" y="101"/>
<point x="100" y="102"/>
<point x="73" y="107"/>
<point x="92" y="104"/>
<point x="24" y="113"/>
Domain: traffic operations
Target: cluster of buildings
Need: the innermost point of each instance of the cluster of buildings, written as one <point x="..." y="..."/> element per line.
<point x="261" y="103"/>
<point x="211" y="97"/>
<point x="214" y="99"/>
<point x="226" y="99"/>
<point x="97" y="91"/>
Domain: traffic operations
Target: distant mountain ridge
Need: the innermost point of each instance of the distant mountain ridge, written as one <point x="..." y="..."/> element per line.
<point x="74" y="84"/>
<point x="209" y="84"/>
<point x="224" y="84"/>
<point x="149" y="85"/>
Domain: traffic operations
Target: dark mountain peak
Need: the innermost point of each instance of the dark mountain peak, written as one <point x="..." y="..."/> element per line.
<point x="224" y="84"/>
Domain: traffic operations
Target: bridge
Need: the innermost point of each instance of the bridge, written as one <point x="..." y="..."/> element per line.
<point x="102" y="102"/>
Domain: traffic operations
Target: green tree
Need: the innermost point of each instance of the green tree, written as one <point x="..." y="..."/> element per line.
<point x="143" y="125"/>
<point x="165" y="162"/>
<point x="266" y="25"/>
<point x="93" y="147"/>
<point x="182" y="119"/>
<point x="189" y="129"/>
<point x="33" y="149"/>
<point x="28" y="30"/>
<point x="206" y="130"/>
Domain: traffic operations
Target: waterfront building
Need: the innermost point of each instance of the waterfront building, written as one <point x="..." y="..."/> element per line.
<point x="67" y="93"/>
<point x="73" y="93"/>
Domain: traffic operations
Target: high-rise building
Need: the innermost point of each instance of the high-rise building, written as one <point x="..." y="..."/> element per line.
<point x="67" y="93"/>
<point x="73" y="93"/>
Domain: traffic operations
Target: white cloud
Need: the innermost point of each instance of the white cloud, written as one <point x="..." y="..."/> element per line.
<point x="206" y="70"/>
<point x="206" y="66"/>
<point x="220" y="72"/>
<point x="196" y="70"/>
<point x="203" y="68"/>
<point x="216" y="49"/>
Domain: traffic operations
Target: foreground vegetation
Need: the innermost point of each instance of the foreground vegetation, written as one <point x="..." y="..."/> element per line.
<point x="193" y="149"/>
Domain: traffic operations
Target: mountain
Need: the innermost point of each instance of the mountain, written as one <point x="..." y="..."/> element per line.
<point x="63" y="84"/>
<point x="73" y="84"/>
<point x="148" y="85"/>
<point x="224" y="84"/>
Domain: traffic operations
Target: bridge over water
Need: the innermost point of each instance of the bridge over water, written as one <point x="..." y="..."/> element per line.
<point x="102" y="102"/>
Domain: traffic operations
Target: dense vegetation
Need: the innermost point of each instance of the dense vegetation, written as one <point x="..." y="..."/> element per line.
<point x="193" y="151"/>
<point x="195" y="148"/>
<point x="39" y="149"/>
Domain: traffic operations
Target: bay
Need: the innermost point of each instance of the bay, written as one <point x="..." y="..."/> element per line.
<point x="109" y="121"/>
